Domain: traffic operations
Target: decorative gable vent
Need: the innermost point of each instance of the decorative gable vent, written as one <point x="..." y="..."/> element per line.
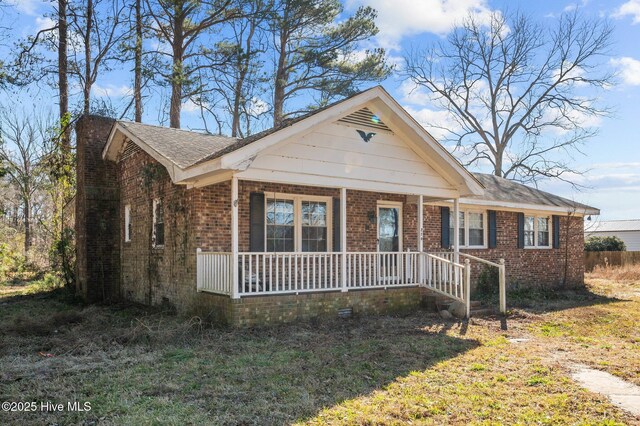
<point x="364" y="118"/>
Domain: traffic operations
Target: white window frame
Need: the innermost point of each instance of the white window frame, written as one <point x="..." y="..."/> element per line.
<point x="127" y="223"/>
<point x="535" y="230"/>
<point x="153" y="242"/>
<point x="297" y="218"/>
<point x="485" y="230"/>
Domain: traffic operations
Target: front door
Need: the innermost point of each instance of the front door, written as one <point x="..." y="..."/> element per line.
<point x="389" y="241"/>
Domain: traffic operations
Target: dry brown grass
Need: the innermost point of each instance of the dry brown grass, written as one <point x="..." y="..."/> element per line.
<point x="616" y="273"/>
<point x="142" y="366"/>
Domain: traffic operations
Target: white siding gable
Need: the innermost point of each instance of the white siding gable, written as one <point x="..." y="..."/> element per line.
<point x="336" y="155"/>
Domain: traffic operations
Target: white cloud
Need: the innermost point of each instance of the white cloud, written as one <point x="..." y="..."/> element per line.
<point x="190" y="106"/>
<point x="629" y="69"/>
<point x="258" y="107"/>
<point x="630" y="8"/>
<point x="401" y="18"/>
<point x="111" y="90"/>
<point x="43" y="23"/>
<point x="434" y="121"/>
<point x="28" y="7"/>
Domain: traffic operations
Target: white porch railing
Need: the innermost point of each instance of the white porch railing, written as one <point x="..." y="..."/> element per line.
<point x="294" y="273"/>
<point x="502" y="273"/>
<point x="213" y="271"/>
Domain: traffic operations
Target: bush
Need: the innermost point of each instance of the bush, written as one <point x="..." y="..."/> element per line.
<point x="488" y="281"/>
<point x="604" y="244"/>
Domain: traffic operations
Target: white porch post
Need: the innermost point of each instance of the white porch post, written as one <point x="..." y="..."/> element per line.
<point x="234" y="237"/>
<point x="420" y="238"/>
<point x="456" y="230"/>
<point x="343" y="237"/>
<point x="420" y="223"/>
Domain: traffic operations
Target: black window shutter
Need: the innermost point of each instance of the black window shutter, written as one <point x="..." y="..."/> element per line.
<point x="555" y="223"/>
<point x="336" y="224"/>
<point x="493" y="234"/>
<point x="520" y="230"/>
<point x="444" y="219"/>
<point x="256" y="220"/>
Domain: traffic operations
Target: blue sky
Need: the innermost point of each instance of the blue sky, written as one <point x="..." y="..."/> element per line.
<point x="612" y="157"/>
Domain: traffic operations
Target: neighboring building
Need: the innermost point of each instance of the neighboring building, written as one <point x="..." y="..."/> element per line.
<point x="627" y="230"/>
<point x="352" y="206"/>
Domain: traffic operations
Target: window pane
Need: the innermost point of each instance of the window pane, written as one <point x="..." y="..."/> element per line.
<point x="314" y="226"/>
<point x="528" y="223"/>
<point x="475" y="221"/>
<point x="476" y="237"/>
<point x="543" y="231"/>
<point x="461" y="239"/>
<point x="476" y="229"/>
<point x="528" y="238"/>
<point x="280" y="220"/>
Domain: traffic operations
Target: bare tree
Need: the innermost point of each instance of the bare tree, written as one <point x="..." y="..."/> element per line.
<point x="97" y="25"/>
<point x="24" y="145"/>
<point x="180" y="24"/>
<point x="519" y="94"/>
<point x="63" y="78"/>
<point x="137" y="70"/>
<point x="315" y="55"/>
<point x="241" y="77"/>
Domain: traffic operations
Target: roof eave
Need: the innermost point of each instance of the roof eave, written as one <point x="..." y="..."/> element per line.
<point x="113" y="146"/>
<point x="579" y="210"/>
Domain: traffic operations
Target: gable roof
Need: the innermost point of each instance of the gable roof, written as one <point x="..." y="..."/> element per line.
<point x="183" y="148"/>
<point x="615" y="226"/>
<point x="190" y="157"/>
<point x="502" y="192"/>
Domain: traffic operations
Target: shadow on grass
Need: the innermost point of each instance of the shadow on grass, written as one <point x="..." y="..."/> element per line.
<point x="134" y="368"/>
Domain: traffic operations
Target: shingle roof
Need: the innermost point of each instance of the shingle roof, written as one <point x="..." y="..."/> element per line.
<point x="616" y="225"/>
<point x="500" y="189"/>
<point x="182" y="147"/>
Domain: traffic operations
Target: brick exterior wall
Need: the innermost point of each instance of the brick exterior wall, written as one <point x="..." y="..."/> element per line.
<point x="531" y="267"/>
<point x="201" y="218"/>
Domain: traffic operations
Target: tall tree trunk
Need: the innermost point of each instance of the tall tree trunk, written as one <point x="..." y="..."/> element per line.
<point x="27" y="226"/>
<point x="235" y="125"/>
<point x="176" y="94"/>
<point x="137" y="85"/>
<point x="63" y="83"/>
<point x="278" y="92"/>
<point x="87" y="58"/>
<point x="177" y="73"/>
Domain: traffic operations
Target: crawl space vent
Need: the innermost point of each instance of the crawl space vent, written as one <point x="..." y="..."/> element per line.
<point x="345" y="312"/>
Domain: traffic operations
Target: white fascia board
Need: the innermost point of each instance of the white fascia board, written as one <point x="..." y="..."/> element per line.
<point x="351" y="184"/>
<point x="518" y="207"/>
<point x="194" y="172"/>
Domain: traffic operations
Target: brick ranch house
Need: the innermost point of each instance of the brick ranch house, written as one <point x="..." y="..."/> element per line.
<point x="354" y="206"/>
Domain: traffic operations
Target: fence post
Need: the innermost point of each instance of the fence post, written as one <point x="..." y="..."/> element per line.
<point x="467" y="286"/>
<point x="503" y="287"/>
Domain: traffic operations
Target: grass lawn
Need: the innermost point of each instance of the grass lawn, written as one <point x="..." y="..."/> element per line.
<point x="139" y="366"/>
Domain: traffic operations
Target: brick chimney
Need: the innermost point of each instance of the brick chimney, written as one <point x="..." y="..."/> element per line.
<point x="97" y="213"/>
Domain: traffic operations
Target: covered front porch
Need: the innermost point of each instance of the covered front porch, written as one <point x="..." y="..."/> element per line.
<point x="361" y="240"/>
